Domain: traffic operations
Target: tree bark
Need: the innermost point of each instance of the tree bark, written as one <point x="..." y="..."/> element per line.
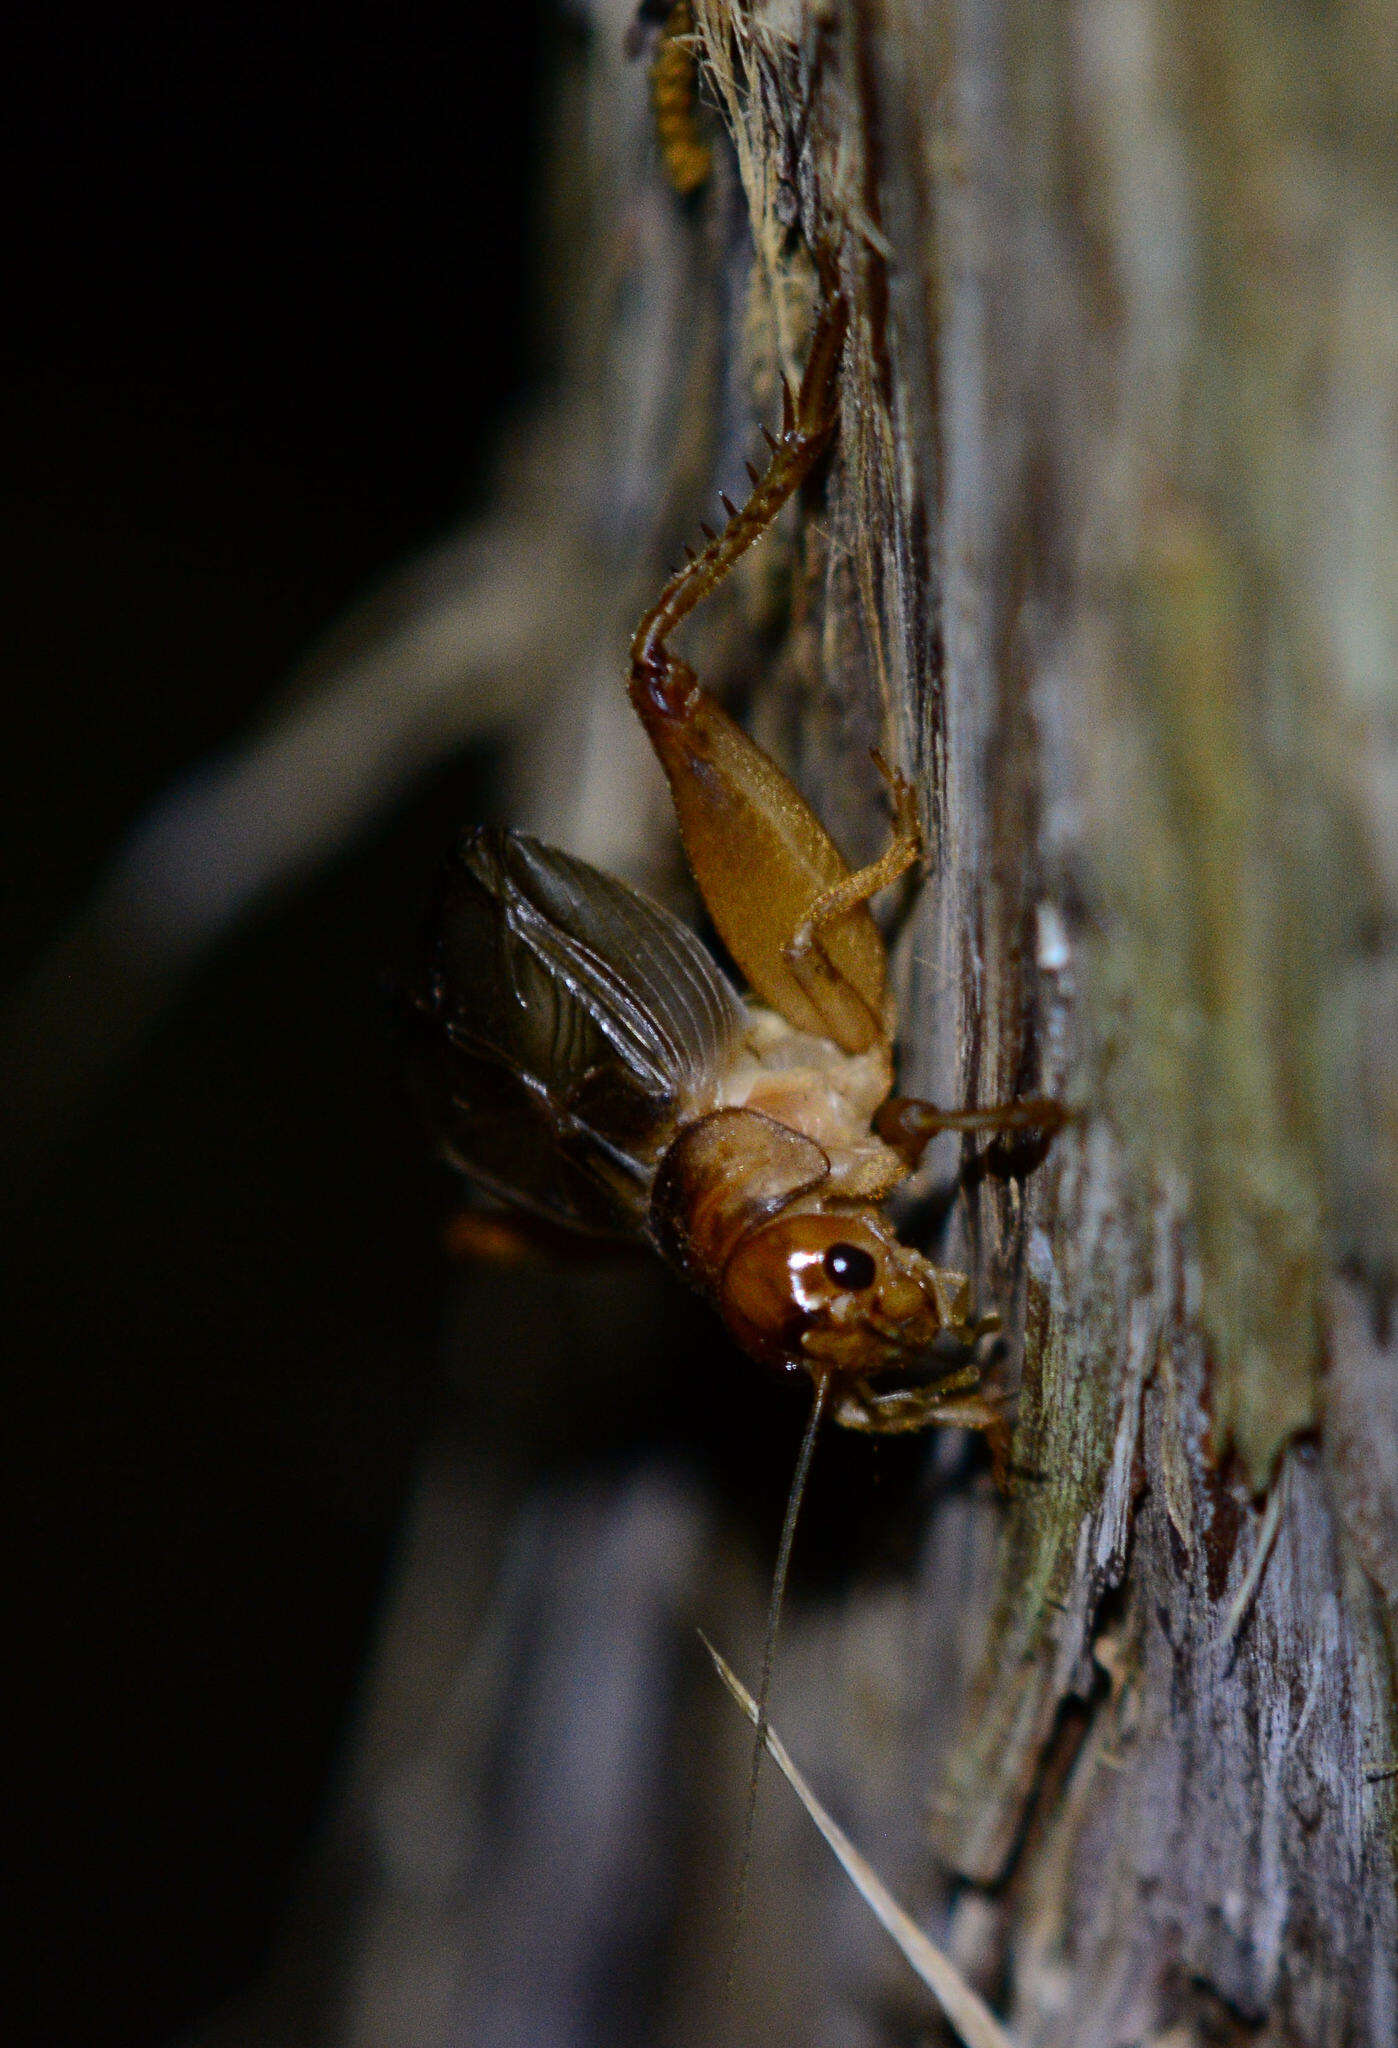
<point x="1104" y="558"/>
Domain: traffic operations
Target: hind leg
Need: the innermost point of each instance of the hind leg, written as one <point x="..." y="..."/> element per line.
<point x="772" y="879"/>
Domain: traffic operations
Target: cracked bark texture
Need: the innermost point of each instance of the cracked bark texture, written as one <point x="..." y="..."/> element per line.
<point x="1104" y="557"/>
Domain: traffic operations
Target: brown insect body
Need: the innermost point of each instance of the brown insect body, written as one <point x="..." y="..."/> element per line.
<point x="582" y="1055"/>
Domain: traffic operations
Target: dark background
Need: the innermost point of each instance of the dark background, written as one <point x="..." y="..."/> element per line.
<point x="267" y="286"/>
<point x="264" y="282"/>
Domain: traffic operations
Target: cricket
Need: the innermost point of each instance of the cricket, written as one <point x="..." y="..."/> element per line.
<point x="583" y="1057"/>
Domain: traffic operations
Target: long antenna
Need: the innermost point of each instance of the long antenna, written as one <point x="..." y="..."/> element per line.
<point x="769" y="1651"/>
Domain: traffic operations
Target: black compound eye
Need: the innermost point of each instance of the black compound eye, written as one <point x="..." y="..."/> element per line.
<point x="849" y="1265"/>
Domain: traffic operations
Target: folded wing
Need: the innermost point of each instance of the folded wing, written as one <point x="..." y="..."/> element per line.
<point x="564" y="1029"/>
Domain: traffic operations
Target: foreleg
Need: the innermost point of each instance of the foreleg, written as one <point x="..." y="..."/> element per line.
<point x="956" y="1401"/>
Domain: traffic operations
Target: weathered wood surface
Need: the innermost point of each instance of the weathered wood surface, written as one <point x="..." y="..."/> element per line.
<point x="1105" y="557"/>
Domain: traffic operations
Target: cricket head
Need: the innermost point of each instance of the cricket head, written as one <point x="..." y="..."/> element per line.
<point x="835" y="1290"/>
